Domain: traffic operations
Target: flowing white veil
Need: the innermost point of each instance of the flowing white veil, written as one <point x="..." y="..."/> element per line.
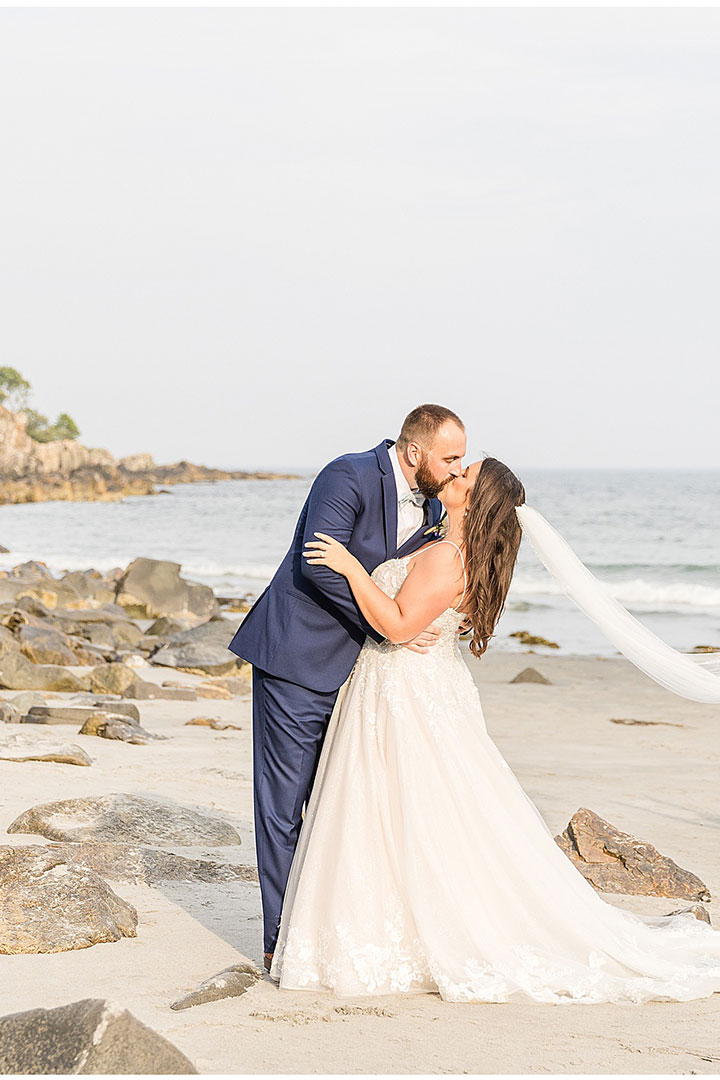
<point x="695" y="676"/>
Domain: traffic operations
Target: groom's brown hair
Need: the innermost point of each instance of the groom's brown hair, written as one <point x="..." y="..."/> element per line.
<point x="423" y="423"/>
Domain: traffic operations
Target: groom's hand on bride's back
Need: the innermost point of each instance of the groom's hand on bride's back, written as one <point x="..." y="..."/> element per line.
<point x="422" y="643"/>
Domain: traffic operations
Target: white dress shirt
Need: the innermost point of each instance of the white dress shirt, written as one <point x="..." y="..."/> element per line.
<point x="410" y="517"/>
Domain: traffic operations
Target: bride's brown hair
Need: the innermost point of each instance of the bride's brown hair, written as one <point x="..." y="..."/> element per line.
<point x="492" y="540"/>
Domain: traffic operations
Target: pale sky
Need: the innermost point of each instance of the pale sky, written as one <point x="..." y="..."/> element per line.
<point x="259" y="237"/>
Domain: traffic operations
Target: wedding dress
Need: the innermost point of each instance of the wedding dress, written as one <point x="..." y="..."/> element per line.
<point x="422" y="865"/>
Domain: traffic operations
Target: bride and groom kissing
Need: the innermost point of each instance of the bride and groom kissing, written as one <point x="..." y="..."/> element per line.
<point x="397" y="851"/>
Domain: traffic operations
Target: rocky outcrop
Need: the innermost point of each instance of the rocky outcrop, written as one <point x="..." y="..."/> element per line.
<point x="49" y="905"/>
<point x="91" y="1036"/>
<point x="614" y="861"/>
<point x="65" y="469"/>
<point x="125" y="818"/>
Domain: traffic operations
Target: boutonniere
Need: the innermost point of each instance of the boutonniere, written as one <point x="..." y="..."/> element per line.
<point x="436" y="530"/>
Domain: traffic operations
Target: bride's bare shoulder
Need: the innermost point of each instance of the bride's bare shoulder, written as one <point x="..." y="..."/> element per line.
<point x="440" y="557"/>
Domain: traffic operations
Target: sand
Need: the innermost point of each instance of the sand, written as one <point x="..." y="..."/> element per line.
<point x="659" y="783"/>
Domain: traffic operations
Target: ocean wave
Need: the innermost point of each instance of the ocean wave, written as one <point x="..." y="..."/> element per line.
<point x="659" y="596"/>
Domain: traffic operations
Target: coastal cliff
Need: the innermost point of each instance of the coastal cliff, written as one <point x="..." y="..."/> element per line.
<point x="32" y="471"/>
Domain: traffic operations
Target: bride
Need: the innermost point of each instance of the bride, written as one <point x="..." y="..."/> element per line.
<point x="421" y="863"/>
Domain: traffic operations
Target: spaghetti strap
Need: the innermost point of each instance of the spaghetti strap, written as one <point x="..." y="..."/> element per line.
<point x="462" y="560"/>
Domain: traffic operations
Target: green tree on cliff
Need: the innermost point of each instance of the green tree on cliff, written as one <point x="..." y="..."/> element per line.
<point x="14" y="395"/>
<point x="14" y="390"/>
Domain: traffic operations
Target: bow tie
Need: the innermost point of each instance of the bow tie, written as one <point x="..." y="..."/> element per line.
<point x="412" y="497"/>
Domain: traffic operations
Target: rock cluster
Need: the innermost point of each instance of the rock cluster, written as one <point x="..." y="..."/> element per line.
<point x="82" y="632"/>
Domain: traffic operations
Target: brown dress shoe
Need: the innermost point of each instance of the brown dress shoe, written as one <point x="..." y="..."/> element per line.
<point x="268" y="960"/>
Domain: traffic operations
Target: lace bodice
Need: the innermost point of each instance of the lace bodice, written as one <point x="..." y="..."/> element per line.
<point x="389" y="576"/>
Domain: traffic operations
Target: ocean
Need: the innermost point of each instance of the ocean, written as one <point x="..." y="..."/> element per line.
<point x="652" y="536"/>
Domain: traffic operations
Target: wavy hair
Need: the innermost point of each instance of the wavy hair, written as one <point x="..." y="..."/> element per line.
<point x="492" y="539"/>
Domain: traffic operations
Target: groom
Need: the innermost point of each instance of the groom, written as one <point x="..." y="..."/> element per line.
<point x="305" y="631"/>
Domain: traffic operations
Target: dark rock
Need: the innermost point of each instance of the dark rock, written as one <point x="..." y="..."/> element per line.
<point x="22" y="748"/>
<point x="49" y="905"/>
<point x="202" y="650"/>
<point x="141" y="865"/>
<point x="18" y="673"/>
<point x="120" y="728"/>
<point x="231" y="982"/>
<point x="91" y="1036"/>
<point x="527" y="638"/>
<point x="153" y="587"/>
<point x="614" y="861"/>
<point x="125" y="818"/>
<point x="529" y="674"/>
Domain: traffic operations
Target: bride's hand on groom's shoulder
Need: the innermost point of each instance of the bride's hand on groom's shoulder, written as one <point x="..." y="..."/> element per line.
<point x="326" y="551"/>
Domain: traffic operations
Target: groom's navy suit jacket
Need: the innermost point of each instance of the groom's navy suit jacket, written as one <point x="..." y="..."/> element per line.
<point x="307" y="627"/>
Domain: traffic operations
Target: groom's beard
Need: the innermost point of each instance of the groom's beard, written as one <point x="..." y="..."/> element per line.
<point x="425" y="482"/>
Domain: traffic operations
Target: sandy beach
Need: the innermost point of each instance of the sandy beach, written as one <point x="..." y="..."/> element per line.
<point x="657" y="782"/>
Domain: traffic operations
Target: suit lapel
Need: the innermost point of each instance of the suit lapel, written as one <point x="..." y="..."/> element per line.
<point x="389" y="490"/>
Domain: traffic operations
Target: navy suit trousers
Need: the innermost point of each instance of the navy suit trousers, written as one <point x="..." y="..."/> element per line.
<point x="289" y="725"/>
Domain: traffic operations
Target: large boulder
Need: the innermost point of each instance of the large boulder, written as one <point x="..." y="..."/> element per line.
<point x="125" y="819"/>
<point x="45" y="645"/>
<point x="202" y="650"/>
<point x="91" y="1036"/>
<point x="614" y="861"/>
<point x="49" y="905"/>
<point x="19" y="673"/>
<point x="153" y="587"/>
<point x="111" y="678"/>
